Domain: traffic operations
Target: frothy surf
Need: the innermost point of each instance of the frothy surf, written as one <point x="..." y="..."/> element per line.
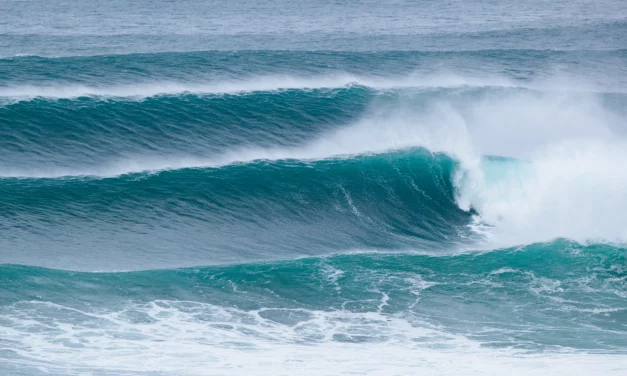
<point x="346" y="306"/>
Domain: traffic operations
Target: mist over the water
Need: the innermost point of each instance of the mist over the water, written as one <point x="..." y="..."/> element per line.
<point x="272" y="187"/>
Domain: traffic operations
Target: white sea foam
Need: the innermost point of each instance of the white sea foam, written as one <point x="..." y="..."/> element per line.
<point x="189" y="338"/>
<point x="574" y="190"/>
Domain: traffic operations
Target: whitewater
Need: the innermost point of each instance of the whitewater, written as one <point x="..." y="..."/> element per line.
<point x="333" y="188"/>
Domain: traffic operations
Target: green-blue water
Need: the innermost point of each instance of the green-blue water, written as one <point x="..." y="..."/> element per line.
<point x="385" y="188"/>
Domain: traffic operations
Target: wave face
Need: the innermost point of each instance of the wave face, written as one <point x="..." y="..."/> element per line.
<point x="240" y="212"/>
<point x="192" y="188"/>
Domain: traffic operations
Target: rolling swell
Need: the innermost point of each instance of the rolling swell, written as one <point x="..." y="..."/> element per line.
<point x="87" y="130"/>
<point x="194" y="66"/>
<point x="253" y="210"/>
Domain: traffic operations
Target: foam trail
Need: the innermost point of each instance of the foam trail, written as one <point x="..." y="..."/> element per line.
<point x="250" y="85"/>
<point x="348" y="359"/>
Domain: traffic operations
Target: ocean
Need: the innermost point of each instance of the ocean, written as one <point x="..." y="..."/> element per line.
<point x="272" y="187"/>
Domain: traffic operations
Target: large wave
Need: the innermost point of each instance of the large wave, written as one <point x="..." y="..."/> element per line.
<point x="240" y="212"/>
<point x="565" y="179"/>
<point x="271" y="83"/>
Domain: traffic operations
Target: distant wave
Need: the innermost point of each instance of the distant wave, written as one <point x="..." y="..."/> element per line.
<point x="425" y="52"/>
<point x="255" y="84"/>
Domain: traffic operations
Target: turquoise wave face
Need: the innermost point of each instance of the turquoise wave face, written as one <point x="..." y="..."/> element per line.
<point x="241" y="212"/>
